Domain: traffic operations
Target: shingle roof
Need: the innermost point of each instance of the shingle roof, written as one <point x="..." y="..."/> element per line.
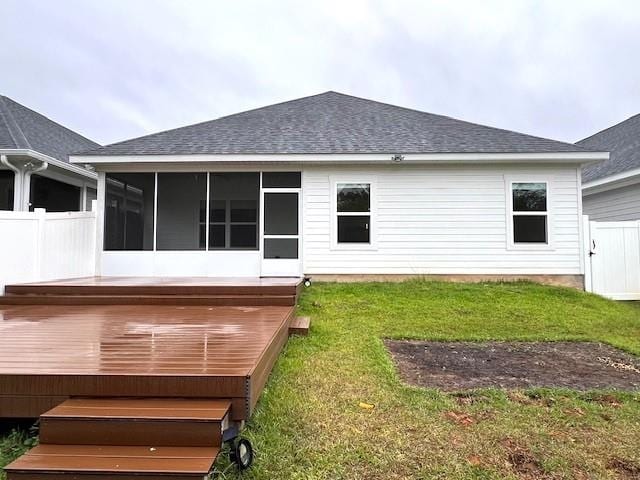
<point x="623" y="143"/>
<point x="22" y="128"/>
<point x="333" y="123"/>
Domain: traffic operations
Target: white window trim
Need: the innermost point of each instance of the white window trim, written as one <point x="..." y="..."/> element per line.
<point x="511" y="245"/>
<point x="372" y="181"/>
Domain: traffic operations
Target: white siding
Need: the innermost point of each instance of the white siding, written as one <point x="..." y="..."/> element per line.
<point x="618" y="204"/>
<point x="441" y="220"/>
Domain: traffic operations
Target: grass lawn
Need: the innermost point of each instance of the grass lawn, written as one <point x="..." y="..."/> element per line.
<point x="309" y="424"/>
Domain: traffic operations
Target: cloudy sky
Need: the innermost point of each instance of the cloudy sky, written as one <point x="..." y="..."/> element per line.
<point x="116" y="69"/>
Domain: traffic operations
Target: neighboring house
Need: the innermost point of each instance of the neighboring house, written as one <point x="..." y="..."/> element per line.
<point x="336" y="187"/>
<point x="34" y="163"/>
<point x="611" y="189"/>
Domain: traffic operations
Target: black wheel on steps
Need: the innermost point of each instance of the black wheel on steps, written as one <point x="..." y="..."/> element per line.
<point x="241" y="453"/>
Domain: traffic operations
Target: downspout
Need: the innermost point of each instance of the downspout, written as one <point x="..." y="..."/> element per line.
<point x="26" y="186"/>
<point x="17" y="182"/>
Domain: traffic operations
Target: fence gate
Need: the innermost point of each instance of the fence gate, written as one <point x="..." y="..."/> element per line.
<point x="614" y="251"/>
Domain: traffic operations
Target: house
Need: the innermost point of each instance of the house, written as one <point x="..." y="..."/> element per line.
<point x="611" y="189"/>
<point x="338" y="187"/>
<point x="34" y="163"/>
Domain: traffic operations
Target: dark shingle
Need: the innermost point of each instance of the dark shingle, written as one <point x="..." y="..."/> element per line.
<point x="623" y="143"/>
<point x="332" y="123"/>
<point x="22" y="128"/>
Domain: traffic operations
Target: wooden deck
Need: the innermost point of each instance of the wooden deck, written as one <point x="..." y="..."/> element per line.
<point x="137" y="378"/>
<point x="53" y="352"/>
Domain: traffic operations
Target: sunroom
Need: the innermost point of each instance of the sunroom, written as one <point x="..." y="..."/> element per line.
<point x="223" y="223"/>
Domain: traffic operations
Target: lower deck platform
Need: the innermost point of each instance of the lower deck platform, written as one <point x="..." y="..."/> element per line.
<point x="139" y="378"/>
<point x="52" y="352"/>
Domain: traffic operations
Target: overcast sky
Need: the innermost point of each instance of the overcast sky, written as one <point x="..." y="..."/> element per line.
<point x="117" y="69"/>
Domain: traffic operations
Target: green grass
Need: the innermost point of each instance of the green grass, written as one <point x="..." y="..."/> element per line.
<point x="14" y="444"/>
<point x="308" y="424"/>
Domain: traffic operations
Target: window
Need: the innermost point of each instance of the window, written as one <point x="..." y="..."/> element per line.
<point x="6" y="189"/>
<point x="233" y="215"/>
<point x="181" y="223"/>
<point x="129" y="211"/>
<point x="281" y="180"/>
<point x="529" y="213"/>
<point x="353" y="210"/>
<point x="52" y="195"/>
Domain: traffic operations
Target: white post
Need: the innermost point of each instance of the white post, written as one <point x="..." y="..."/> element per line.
<point x="83" y="198"/>
<point x="99" y="231"/>
<point x="94" y="237"/>
<point x="41" y="242"/>
<point x="588" y="283"/>
<point x="26" y="190"/>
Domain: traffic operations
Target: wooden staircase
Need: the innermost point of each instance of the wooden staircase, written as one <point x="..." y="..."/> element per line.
<point x="126" y="438"/>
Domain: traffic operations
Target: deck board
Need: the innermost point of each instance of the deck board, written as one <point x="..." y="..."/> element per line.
<point x="147" y="350"/>
<point x="147" y="408"/>
<point x="105" y="459"/>
<point x="162" y="286"/>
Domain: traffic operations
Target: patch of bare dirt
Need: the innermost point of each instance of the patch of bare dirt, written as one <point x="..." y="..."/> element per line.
<point x="522" y="461"/>
<point x="626" y="468"/>
<point x="466" y="365"/>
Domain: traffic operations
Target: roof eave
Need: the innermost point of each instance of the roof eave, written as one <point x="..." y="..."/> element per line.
<point x="70" y="167"/>
<point x="585" y="157"/>
<point x="610" y="182"/>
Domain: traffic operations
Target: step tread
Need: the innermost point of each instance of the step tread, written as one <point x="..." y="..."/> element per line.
<point x="112" y="459"/>
<point x="300" y="326"/>
<point x="140" y="409"/>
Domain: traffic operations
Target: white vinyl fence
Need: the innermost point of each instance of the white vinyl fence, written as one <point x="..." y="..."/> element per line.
<point x="614" y="259"/>
<point x="36" y="246"/>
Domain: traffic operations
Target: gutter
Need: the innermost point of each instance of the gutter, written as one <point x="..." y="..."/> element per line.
<point x="5" y="162"/>
<point x="356" y="158"/>
<point x="50" y="161"/>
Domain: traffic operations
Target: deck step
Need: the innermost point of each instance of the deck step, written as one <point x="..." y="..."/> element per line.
<point x="136" y="421"/>
<point x="300" y="326"/>
<point x="210" y="300"/>
<point x="152" y="289"/>
<point x="100" y="462"/>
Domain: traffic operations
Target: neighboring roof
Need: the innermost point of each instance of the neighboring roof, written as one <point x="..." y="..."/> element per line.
<point x="22" y="128"/>
<point x="334" y="123"/>
<point x="623" y="143"/>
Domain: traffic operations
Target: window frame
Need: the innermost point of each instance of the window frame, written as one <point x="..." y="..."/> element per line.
<point x="372" y="213"/>
<point x="511" y="243"/>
